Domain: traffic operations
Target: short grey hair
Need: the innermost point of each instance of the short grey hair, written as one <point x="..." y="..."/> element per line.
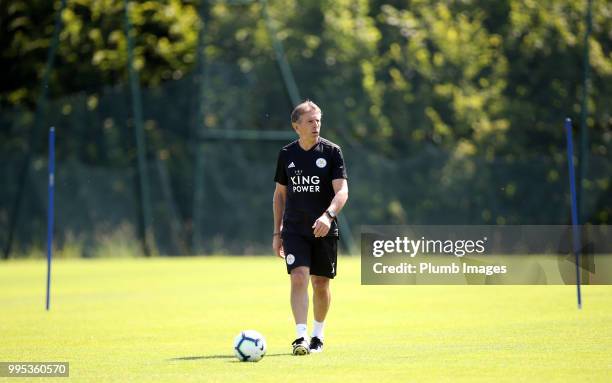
<point x="303" y="107"/>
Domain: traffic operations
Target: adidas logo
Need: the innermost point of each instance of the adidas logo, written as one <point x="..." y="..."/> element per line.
<point x="291" y="165"/>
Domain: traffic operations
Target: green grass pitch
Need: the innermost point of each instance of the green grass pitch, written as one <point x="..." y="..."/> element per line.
<point x="175" y="319"/>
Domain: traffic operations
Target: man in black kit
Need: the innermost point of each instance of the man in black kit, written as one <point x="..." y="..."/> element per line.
<point x="311" y="189"/>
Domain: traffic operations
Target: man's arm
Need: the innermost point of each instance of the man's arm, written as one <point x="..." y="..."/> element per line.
<point x="341" y="189"/>
<point x="278" y="207"/>
<point x="323" y="223"/>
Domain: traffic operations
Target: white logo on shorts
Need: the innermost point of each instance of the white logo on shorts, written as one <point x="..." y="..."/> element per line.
<point x="290" y="259"/>
<point x="321" y="162"/>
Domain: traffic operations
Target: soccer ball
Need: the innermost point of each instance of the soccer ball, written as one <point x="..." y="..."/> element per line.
<point x="249" y="346"/>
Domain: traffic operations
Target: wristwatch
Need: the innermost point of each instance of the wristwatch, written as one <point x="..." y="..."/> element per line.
<point x="330" y="213"/>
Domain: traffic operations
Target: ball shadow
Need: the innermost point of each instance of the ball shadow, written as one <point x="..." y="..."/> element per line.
<point x="226" y="356"/>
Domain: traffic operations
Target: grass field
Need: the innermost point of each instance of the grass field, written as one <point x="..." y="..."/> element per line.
<point x="175" y="319"/>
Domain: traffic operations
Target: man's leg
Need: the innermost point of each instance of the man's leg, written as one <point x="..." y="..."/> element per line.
<point x="321" y="297"/>
<point x="299" y="293"/>
<point x="299" y="307"/>
<point x="323" y="269"/>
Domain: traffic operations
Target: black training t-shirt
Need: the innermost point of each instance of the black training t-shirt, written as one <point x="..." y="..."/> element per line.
<point x="308" y="175"/>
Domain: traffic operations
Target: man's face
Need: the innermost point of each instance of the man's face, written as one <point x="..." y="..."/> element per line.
<point x="308" y="125"/>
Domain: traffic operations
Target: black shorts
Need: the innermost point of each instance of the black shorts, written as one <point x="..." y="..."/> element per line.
<point x="318" y="254"/>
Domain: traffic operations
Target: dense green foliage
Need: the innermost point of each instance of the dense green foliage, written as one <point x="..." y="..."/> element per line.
<point x="473" y="70"/>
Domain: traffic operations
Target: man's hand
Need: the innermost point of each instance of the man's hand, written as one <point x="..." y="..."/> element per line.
<point x="277" y="246"/>
<point x="321" y="226"/>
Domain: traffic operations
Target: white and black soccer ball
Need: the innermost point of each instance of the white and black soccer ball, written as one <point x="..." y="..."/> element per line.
<point x="250" y="346"/>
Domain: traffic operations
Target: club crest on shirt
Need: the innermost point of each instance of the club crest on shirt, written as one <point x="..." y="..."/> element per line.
<point x="321" y="162"/>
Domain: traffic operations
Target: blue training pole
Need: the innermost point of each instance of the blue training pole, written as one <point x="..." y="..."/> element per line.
<point x="50" y="211"/>
<point x="575" y="228"/>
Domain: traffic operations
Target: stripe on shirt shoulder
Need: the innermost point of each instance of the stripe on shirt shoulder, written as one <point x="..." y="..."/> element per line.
<point x="327" y="142"/>
<point x="289" y="145"/>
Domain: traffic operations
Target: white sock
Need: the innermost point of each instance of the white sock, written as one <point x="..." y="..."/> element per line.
<point x="300" y="330"/>
<point x="318" y="329"/>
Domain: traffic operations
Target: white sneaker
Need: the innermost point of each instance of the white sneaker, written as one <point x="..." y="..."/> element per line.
<point x="300" y="347"/>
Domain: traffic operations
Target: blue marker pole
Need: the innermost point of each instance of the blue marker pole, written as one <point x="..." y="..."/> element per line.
<point x="572" y="181"/>
<point x="50" y="211"/>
